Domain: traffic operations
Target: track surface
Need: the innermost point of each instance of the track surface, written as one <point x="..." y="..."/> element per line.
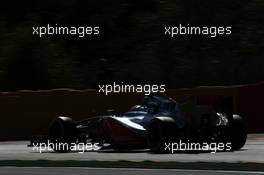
<point x="114" y="171"/>
<point x="253" y="152"/>
<point x="246" y="161"/>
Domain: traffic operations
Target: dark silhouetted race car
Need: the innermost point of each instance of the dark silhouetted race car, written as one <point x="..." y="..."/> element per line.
<point x="157" y="121"/>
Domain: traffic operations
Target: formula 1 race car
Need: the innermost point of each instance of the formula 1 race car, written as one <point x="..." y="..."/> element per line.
<point x="156" y="121"/>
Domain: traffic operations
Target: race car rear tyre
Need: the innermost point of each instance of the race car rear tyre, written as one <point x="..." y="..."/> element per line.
<point x="62" y="132"/>
<point x="161" y="131"/>
<point x="238" y="132"/>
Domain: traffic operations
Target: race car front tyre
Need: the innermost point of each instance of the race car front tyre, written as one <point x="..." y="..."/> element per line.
<point x="238" y="132"/>
<point x="161" y="131"/>
<point x="62" y="133"/>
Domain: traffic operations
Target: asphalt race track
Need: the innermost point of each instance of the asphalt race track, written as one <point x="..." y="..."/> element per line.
<point x="115" y="171"/>
<point x="249" y="160"/>
<point x="253" y="151"/>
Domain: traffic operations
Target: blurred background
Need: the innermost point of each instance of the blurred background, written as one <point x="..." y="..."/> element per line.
<point x="131" y="47"/>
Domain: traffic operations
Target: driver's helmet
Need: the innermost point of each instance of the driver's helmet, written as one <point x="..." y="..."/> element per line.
<point x="136" y="108"/>
<point x="153" y="107"/>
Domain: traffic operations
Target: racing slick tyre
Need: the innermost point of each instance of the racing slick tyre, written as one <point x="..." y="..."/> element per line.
<point x="238" y="132"/>
<point x="161" y="131"/>
<point x="62" y="132"/>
